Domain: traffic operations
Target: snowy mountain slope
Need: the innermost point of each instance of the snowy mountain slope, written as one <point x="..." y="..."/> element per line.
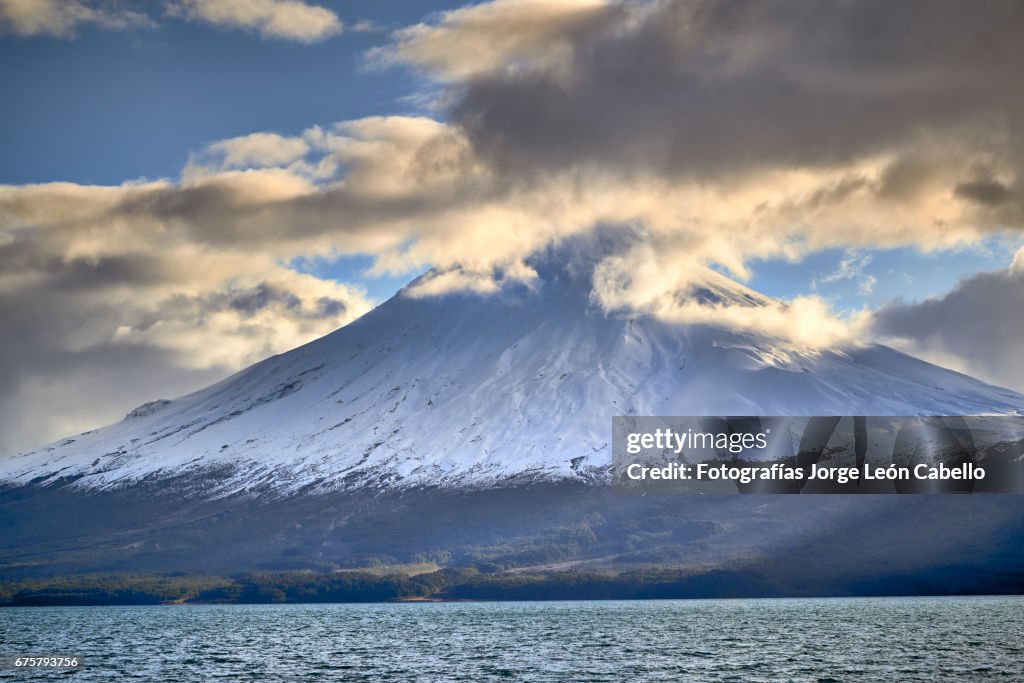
<point x="467" y="390"/>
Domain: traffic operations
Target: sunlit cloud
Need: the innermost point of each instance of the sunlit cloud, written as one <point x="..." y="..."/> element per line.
<point x="293" y="20"/>
<point x="493" y="36"/>
<point x="280" y="19"/>
<point x="62" y="18"/>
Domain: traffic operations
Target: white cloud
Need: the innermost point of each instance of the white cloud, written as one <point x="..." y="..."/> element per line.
<point x="439" y="282"/>
<point x="670" y="287"/>
<point x="367" y="26"/>
<point x="241" y="321"/>
<point x="804" y="321"/>
<point x="100" y="284"/>
<point x="62" y="17"/>
<point x="492" y="35"/>
<point x="258" y="149"/>
<point x="851" y="268"/>
<point x="282" y="19"/>
<point x="413" y="192"/>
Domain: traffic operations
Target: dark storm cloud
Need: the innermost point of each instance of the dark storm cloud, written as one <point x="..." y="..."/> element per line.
<point x="905" y="177"/>
<point x="261" y="296"/>
<point x="249" y="301"/>
<point x="985" y="192"/>
<point x="56" y="382"/>
<point x="979" y="321"/>
<point x="63" y="370"/>
<point x="709" y="87"/>
<point x="329" y="308"/>
<point x="76" y="274"/>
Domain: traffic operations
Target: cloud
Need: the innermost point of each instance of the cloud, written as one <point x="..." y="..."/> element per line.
<point x="440" y="281"/>
<point x="710" y="89"/>
<point x="61" y="394"/>
<point x="116" y="294"/>
<point x="62" y="17"/>
<point x="805" y="321"/>
<point x="1017" y="267"/>
<point x="367" y="26"/>
<point x="258" y="149"/>
<point x="241" y="322"/>
<point x="664" y="284"/>
<point x="411" y="191"/>
<point x="851" y="268"/>
<point x="986" y="192"/>
<point x="493" y="36"/>
<point x="976" y="328"/>
<point x="277" y="19"/>
<point x="735" y="131"/>
<point x="281" y="19"/>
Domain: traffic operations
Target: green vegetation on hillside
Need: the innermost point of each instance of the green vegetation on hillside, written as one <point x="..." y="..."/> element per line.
<point x="451" y="584"/>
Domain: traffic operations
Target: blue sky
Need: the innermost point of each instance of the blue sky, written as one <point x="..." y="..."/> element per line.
<point x="107" y="106"/>
<point x="903" y="273"/>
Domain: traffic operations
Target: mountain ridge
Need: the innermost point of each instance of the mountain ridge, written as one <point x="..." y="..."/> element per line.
<point x="465" y="389"/>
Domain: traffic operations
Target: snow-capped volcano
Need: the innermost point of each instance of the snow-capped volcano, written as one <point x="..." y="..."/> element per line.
<point x="467" y="389"/>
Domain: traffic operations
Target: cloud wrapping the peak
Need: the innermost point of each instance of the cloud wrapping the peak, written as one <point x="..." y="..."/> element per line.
<point x="743" y="130"/>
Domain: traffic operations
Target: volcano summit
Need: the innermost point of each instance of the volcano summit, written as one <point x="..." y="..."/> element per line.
<point x="469" y="428"/>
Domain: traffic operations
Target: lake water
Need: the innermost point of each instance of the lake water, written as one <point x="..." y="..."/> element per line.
<point x="905" y="639"/>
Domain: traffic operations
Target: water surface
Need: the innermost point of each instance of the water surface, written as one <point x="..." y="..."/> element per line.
<point x="905" y="639"/>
